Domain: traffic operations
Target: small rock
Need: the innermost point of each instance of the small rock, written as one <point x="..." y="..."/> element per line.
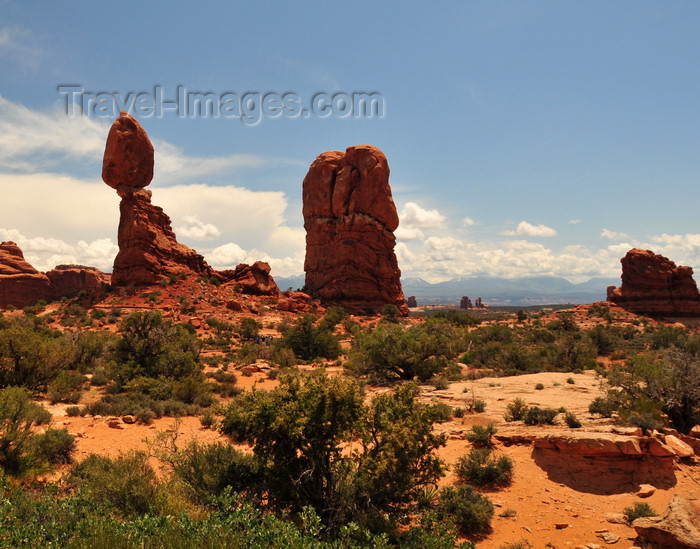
<point x="114" y="423"/>
<point x="609" y="537"/>
<point x="129" y="420"/>
<point x="592" y="546"/>
<point x="680" y="448"/>
<point x="561" y="525"/>
<point x="645" y="491"/>
<point x="616" y="518"/>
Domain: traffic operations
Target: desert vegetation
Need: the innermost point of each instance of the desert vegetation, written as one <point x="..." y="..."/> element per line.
<point x="340" y="450"/>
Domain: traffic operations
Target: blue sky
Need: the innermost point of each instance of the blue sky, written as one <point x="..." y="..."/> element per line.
<point x="524" y="138"/>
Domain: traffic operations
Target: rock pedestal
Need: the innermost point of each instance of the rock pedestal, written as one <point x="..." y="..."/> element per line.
<point x="350" y="219"/>
<point x="148" y="248"/>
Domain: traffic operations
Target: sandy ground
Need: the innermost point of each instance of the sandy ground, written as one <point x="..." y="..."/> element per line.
<point x="536" y="507"/>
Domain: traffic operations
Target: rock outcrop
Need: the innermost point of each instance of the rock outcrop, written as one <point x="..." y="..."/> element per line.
<point x="412" y="302"/>
<point x="148" y="248"/>
<point x="678" y="527"/>
<point x="350" y="219"/>
<point x="20" y="283"/>
<point x="653" y="285"/>
<point x="253" y="279"/>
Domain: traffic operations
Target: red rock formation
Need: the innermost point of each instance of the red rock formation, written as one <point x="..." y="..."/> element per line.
<point x="411" y="302"/>
<point x="70" y="280"/>
<point x="148" y="249"/>
<point x="653" y="285"/>
<point x="350" y="219"/>
<point x="465" y="303"/>
<point x="20" y="283"/>
<point x="253" y="279"/>
<point x="294" y="302"/>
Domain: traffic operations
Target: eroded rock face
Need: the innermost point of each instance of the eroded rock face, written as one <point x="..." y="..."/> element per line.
<point x="350" y="219"/>
<point x="253" y="279"/>
<point x="678" y="527"/>
<point x="148" y="248"/>
<point x="653" y="285"/>
<point x="20" y="283"/>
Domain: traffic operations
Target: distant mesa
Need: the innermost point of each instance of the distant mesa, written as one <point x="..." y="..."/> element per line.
<point x="21" y="284"/>
<point x="350" y="219"/>
<point x="653" y="285"/>
<point x="466" y="303"/>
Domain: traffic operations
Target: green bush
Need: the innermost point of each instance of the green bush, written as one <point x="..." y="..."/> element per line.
<point x="470" y="511"/>
<point x="571" y="420"/>
<point x="540" y="416"/>
<point x="604" y="406"/>
<point x="66" y="387"/>
<point x="127" y="482"/>
<point x="481" y="435"/>
<point x="301" y="431"/>
<point x="516" y="410"/>
<point x="309" y="341"/>
<point x="539" y="387"/>
<point x="54" y="446"/>
<point x="481" y="468"/>
<point x="18" y="414"/>
<point x="638" y="510"/>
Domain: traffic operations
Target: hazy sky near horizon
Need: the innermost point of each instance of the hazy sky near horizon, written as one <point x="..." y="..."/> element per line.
<point x="524" y="138"/>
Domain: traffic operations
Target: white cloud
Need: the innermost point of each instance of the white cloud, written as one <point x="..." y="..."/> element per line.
<point x="196" y="229"/>
<point x="403" y="233"/>
<point x="468" y="222"/>
<point x="574" y="221"/>
<point x="613" y="235"/>
<point x="412" y="216"/>
<point x="20" y="45"/>
<point x="527" y="229"/>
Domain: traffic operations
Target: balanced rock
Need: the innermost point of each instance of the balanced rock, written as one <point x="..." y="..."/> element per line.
<point x="148" y="248"/>
<point x="350" y="219"/>
<point x="653" y="285"/>
<point x="20" y="283"/>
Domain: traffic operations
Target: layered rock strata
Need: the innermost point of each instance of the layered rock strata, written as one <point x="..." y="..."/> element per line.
<point x="653" y="285"/>
<point x="350" y="219"/>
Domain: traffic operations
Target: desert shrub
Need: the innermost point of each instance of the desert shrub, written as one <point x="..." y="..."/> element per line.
<point x="470" y="511"/>
<point x="638" y="510"/>
<point x="482" y="435"/>
<point x="570" y="380"/>
<point x="516" y="410"/>
<point x="66" y="387"/>
<point x="54" y="446"/>
<point x="249" y="328"/>
<point x="605" y="406"/>
<point x="73" y="411"/>
<point x="574" y="353"/>
<point x="18" y="414"/>
<point x="300" y="430"/>
<point x="604" y="340"/>
<point x="666" y="336"/>
<point x="209" y="469"/>
<point x="309" y="341"/>
<point x="479" y="406"/>
<point x="207" y="420"/>
<point x="540" y="416"/>
<point x="127" y="482"/>
<point x="31" y="356"/>
<point x="99" y="378"/>
<point x="669" y="384"/>
<point x="223" y="377"/>
<point x="481" y="468"/>
<point x="150" y="346"/>
<point x="284" y="357"/>
<point x="459" y="318"/>
<point x="539" y="386"/>
<point x="393" y="351"/>
<point x="571" y="420"/>
<point x="439" y="382"/>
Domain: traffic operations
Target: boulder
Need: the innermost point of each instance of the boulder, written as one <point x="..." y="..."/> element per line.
<point x="252" y="279"/>
<point x="653" y="285"/>
<point x="127" y="165"/>
<point x="678" y="527"/>
<point x="70" y="280"/>
<point x="350" y="219"/>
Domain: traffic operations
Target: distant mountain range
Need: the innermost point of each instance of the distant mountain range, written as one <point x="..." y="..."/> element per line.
<point x="539" y="290"/>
